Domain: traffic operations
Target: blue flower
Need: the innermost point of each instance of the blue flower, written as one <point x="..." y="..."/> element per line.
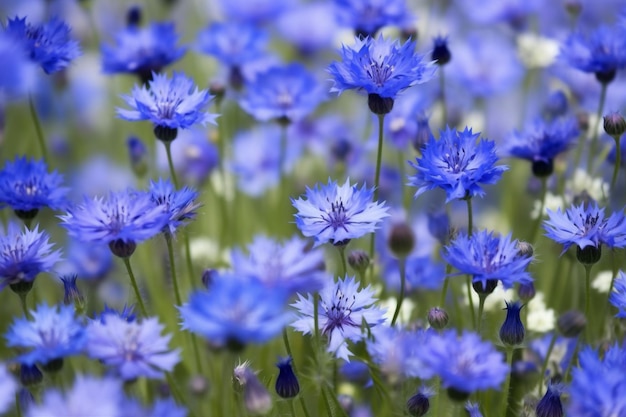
<point x="473" y="409"/>
<point x="48" y="44"/>
<point x="310" y="27"/>
<point x="367" y="16"/>
<point x="52" y="333"/>
<point x="286" y="93"/>
<point x="488" y="257"/>
<point x="407" y="123"/>
<point x="87" y="395"/>
<point x="343" y="311"/>
<point x="127" y="313"/>
<point x="550" y="405"/>
<point x="291" y="265"/>
<point x="24" y="255"/>
<point x="180" y="205"/>
<point x="598" y="386"/>
<point x="457" y="164"/>
<point x="133" y="349"/>
<point x="337" y="214"/>
<point x="142" y="51"/>
<point x="260" y="11"/>
<point x="464" y="363"/>
<point x="236" y="311"/>
<point x="380" y="67"/>
<point x="287" y="385"/>
<point x="560" y="357"/>
<point x="123" y="217"/>
<point x="166" y="407"/>
<point x="8" y="387"/>
<point x="541" y="142"/>
<point x="618" y="296"/>
<point x="27" y="186"/>
<point x="512" y="330"/>
<point x="422" y="273"/>
<point x="18" y="74"/>
<point x="193" y="155"/>
<point x="89" y="262"/>
<point x="169" y="102"/>
<point x="232" y="43"/>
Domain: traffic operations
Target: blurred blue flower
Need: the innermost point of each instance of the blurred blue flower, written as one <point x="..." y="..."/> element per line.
<point x="169" y="102"/>
<point x="422" y="273"/>
<point x="550" y="405"/>
<point x="236" y="311"/>
<point x="133" y="349"/>
<point x="25" y="254"/>
<point x="402" y="125"/>
<point x="232" y="43"/>
<point x="598" y="386"/>
<point x="343" y="312"/>
<point x="457" y="164"/>
<point x="541" y="142"/>
<point x="127" y="313"/>
<point x="165" y="407"/>
<point x="180" y="204"/>
<point x="87" y="395"/>
<point x="473" y="409"/>
<point x="338" y="213"/>
<point x="17" y="74"/>
<point x="8" y="387"/>
<point x="291" y="265"/>
<point x="88" y="262"/>
<point x="488" y="257"/>
<point x="27" y="186"/>
<point x="253" y="11"/>
<point x="310" y="27"/>
<point x="285" y="93"/>
<point x="513" y="12"/>
<point x="618" y="296"/>
<point x="142" y="51"/>
<point x="48" y="44"/>
<point x="366" y="17"/>
<point x="50" y="334"/>
<point x="560" y="357"/>
<point x="464" y="363"/>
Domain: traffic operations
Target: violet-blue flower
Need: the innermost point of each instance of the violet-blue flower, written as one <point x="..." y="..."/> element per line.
<point x="618" y="297"/>
<point x="488" y="257"/>
<point x="51" y="334"/>
<point x="366" y="17"/>
<point x="49" y="44"/>
<point x="193" y="155"/>
<point x="310" y="27"/>
<point x="343" y="309"/>
<point x="233" y="43"/>
<point x="253" y="11"/>
<point x="180" y="204"/>
<point x="338" y="213"/>
<point x="133" y="349"/>
<point x="8" y="387"/>
<point x="512" y="331"/>
<point x="456" y="163"/>
<point x="18" y="75"/>
<point x="550" y="405"/>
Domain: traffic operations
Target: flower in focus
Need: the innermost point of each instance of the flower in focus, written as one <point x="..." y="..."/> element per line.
<point x="343" y="309"/>
<point x="512" y="331"/>
<point x="366" y="17"/>
<point x="457" y="164"/>
<point x="180" y="204"/>
<point x="51" y="334"/>
<point x="133" y="349"/>
<point x="618" y="296"/>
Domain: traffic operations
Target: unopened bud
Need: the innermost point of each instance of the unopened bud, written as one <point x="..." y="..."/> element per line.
<point x="571" y="323"/>
<point x="401" y="240"/>
<point x="437" y="318"/>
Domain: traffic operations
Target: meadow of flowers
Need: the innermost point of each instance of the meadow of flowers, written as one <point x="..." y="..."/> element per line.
<point x="339" y="208"/>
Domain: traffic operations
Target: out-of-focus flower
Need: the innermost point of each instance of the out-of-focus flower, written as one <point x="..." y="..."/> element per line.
<point x="618" y="296"/>
<point x="233" y="43"/>
<point x="366" y="17"/>
<point x="8" y="387"/>
<point x="253" y="11"/>
<point x="18" y="74"/>
<point x="310" y="27"/>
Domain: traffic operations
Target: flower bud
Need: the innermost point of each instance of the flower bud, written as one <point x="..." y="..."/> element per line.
<point x="71" y="293"/>
<point x="571" y="323"/>
<point x="419" y="403"/>
<point x="614" y="125"/>
<point x="287" y="385"/>
<point x="133" y="16"/>
<point x="359" y="261"/>
<point x="550" y="405"/>
<point x="256" y="397"/>
<point x="437" y="318"/>
<point x="525" y="249"/>
<point x="441" y="54"/>
<point x="512" y="330"/>
<point x="401" y="240"/>
<point x="138" y="154"/>
<point x="588" y="255"/>
<point x="526" y="292"/>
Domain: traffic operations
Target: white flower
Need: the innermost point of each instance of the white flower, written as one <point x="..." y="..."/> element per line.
<point x="602" y="281"/>
<point x="553" y="202"/>
<point x="540" y="319"/>
<point x="582" y="181"/>
<point x="536" y="51"/>
<point x="405" y="311"/>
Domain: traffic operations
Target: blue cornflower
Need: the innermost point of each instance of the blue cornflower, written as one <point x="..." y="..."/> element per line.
<point x="618" y="296"/>
<point x="26" y="186"/>
<point x="512" y="330"/>
<point x="48" y="44"/>
<point x="88" y="395"/>
<point x="253" y="11"/>
<point x="487" y="258"/>
<point x="464" y="363"/>
<point x="291" y="265"/>
<point x="180" y="205"/>
<point x="602" y="52"/>
<point x="236" y="311"/>
<point x="310" y="27"/>
<point x="233" y="44"/>
<point x="121" y="220"/>
<point x="407" y="122"/>
<point x="169" y="103"/>
<point x="541" y="142"/>
<point x="343" y="311"/>
<point x="89" y="262"/>
<point x="366" y="17"/>
<point x="127" y="313"/>
<point x="588" y="229"/>
<point x="142" y="51"/>
<point x="285" y="93"/>
<point x="598" y="386"/>
<point x="380" y="67"/>
<point x="8" y="387"/>
<point x="560" y="357"/>
<point x="25" y="254"/>
<point x="457" y="164"/>
<point x="51" y="334"/>
<point x="18" y="74"/>
<point x="422" y="273"/>
<point x="133" y="349"/>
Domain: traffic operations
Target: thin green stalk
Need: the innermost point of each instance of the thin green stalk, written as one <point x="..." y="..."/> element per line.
<point x="18" y="408"/>
<point x="188" y="261"/>
<point x="379" y="160"/>
<point x="596" y="126"/>
<point x="168" y="151"/>
<point x="544" y="366"/>
<point x="481" y="308"/>
<point x="402" y="267"/>
<point x="316" y="329"/>
<point x="329" y="408"/>
<point x="22" y="297"/>
<point x="588" y="299"/>
<point x="133" y="282"/>
<point x="342" y="255"/>
<point x="574" y="358"/>
<point x="438" y="397"/>
<point x="38" y="130"/>
<point x="470" y="216"/>
<point x="544" y="191"/>
<point x="618" y="162"/>
<point x="442" y="88"/>
<point x="507" y="383"/>
<point x="444" y="290"/>
<point x="295" y="371"/>
<point x="614" y="269"/>
<point x="170" y="253"/>
<point x="468" y="283"/>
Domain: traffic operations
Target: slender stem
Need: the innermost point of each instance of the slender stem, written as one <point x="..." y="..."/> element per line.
<point x="22" y="297"/>
<point x="295" y="371"/>
<point x="618" y="162"/>
<point x="402" y="267"/>
<point x="282" y="187"/>
<point x="329" y="409"/>
<point x="507" y="383"/>
<point x="133" y="282"/>
<point x="468" y="283"/>
<point x="542" y="203"/>
<point x="442" y="96"/>
<point x="168" y="151"/>
<point x="438" y="397"/>
<point x="18" y="408"/>
<point x="190" y="271"/>
<point x="379" y="159"/>
<point x="170" y="253"/>
<point x="596" y="126"/>
<point x="544" y="366"/>
<point x="342" y="255"/>
<point x="444" y="290"/>
<point x="614" y="269"/>
<point x="174" y="389"/>
<point x="38" y="130"/>
<point x="470" y="216"/>
<point x="587" y="298"/>
<point x="571" y="362"/>
<point x="481" y="308"/>
<point x="316" y="329"/>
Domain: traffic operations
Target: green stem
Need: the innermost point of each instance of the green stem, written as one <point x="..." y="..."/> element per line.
<point x="468" y="283"/>
<point x="282" y="187"/>
<point x="481" y="308"/>
<point x="542" y="203"/>
<point x="168" y="151"/>
<point x="170" y="253"/>
<point x="295" y="371"/>
<point x="444" y="107"/>
<point x="190" y="271"/>
<point x="379" y="160"/>
<point x="438" y="397"/>
<point x="544" y="366"/>
<point x="614" y="269"/>
<point x="18" y="408"/>
<point x="133" y="282"/>
<point x="342" y="255"/>
<point x="38" y="130"/>
<point x="470" y="216"/>
<point x="316" y="329"/>
<point x="571" y="362"/>
<point x="507" y="383"/>
<point x="596" y="126"/>
<point x="618" y="162"/>
<point x="588" y="299"/>
<point x="402" y="267"/>
<point x="22" y="297"/>
<point x="444" y="291"/>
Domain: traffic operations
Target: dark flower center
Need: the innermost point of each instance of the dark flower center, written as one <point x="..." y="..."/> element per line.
<point x="457" y="161"/>
<point x="379" y="73"/>
<point x="336" y="217"/>
<point x="339" y="312"/>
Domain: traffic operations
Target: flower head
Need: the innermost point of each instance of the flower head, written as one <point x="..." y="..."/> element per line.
<point x="142" y="50"/>
<point x="233" y="43"/>
<point x="336" y="214"/>
<point x="48" y="44"/>
<point x="19" y="74"/>
<point x="133" y="349"/>
<point x="488" y="257"/>
<point x="618" y="296"/>
<point x="180" y="205"/>
<point x="550" y="405"/>
<point x="343" y="309"/>
<point x="8" y="386"/>
<point x="52" y="333"/>
<point x="457" y="164"/>
<point x="25" y="254"/>
<point x="367" y="16"/>
<point x="27" y="186"/>
<point x="512" y="330"/>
